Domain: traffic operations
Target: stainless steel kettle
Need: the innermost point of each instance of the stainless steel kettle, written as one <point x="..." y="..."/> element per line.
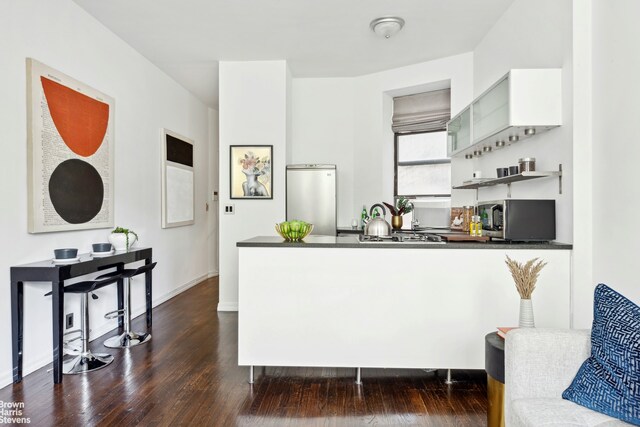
<point x="377" y="226"/>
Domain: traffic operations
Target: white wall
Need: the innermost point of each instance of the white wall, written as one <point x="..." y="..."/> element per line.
<point x="347" y="121"/>
<point x="323" y="132"/>
<point x="212" y="217"/>
<point x="532" y="35"/>
<point x="616" y="108"/>
<point x="344" y="121"/>
<point x="528" y="35"/>
<point x="583" y="177"/>
<point x="253" y="110"/>
<point x="373" y="148"/>
<point x="63" y="36"/>
<point x="595" y="43"/>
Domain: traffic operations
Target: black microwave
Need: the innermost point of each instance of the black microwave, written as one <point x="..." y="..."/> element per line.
<point x="525" y="220"/>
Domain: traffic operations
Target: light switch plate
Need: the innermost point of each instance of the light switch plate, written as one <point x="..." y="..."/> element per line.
<point x="229" y="209"/>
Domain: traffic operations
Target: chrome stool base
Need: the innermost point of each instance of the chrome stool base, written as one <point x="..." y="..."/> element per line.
<point x="127" y="340"/>
<point x="86" y="362"/>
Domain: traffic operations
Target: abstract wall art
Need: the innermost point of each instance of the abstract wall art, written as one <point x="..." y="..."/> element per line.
<point x="250" y="169"/>
<point x="70" y="151"/>
<point x="178" y="184"/>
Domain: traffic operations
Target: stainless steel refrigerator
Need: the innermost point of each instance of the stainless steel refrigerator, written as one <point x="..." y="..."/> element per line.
<point x="311" y="197"/>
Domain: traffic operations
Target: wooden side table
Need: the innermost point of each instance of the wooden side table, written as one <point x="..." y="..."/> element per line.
<point x="494" y="366"/>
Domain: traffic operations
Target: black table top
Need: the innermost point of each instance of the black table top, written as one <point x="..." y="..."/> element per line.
<point x="494" y="356"/>
<point x="48" y="271"/>
<point x="495" y="340"/>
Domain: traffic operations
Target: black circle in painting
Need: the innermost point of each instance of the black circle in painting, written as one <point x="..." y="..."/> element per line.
<point x="76" y="191"/>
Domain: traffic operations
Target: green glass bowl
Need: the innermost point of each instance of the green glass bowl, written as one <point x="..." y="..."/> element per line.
<point x="294" y="231"/>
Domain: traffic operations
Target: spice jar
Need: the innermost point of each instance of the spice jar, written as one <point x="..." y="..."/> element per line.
<point x="527" y="164"/>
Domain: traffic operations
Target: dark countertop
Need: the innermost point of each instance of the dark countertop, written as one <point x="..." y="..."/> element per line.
<point x="352" y="242"/>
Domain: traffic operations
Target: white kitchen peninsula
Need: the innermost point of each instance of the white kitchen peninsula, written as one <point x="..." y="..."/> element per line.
<point x="335" y="302"/>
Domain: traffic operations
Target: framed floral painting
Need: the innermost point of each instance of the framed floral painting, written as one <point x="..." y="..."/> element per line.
<point x="250" y="168"/>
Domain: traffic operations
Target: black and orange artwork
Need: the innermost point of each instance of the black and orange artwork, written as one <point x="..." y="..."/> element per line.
<point x="75" y="187"/>
<point x="71" y="153"/>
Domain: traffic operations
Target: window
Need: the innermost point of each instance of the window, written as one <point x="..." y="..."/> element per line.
<point x="422" y="167"/>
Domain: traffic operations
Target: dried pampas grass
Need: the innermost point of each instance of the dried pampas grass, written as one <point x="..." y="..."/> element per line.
<point x="525" y="275"/>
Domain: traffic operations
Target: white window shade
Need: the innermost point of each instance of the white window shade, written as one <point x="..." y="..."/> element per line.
<point x="422" y="112"/>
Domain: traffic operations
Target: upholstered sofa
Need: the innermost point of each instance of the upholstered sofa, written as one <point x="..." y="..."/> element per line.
<point x="539" y="365"/>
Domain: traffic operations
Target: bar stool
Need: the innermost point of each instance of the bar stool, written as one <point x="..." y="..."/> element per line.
<point x="85" y="360"/>
<point x="128" y="338"/>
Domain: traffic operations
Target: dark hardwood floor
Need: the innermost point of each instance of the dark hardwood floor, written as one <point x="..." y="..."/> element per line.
<point x="188" y="375"/>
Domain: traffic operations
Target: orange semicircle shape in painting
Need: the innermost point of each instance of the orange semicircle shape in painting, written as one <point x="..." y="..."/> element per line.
<point x="80" y="120"/>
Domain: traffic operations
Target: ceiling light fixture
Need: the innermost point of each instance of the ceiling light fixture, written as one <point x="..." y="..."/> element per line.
<point x="387" y="26"/>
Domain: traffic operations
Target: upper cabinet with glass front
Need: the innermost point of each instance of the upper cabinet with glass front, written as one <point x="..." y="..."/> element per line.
<point x="491" y="110"/>
<point x="459" y="132"/>
<point x="521" y="104"/>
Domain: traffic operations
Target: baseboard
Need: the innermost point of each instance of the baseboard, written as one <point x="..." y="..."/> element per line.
<point x="227" y="306"/>
<point x="7" y="379"/>
<point x="176" y="291"/>
<point x="213" y="274"/>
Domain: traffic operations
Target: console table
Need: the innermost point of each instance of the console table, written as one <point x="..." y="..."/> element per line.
<point x="47" y="271"/>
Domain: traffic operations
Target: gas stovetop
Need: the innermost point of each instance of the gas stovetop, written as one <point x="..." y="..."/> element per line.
<point x="402" y="238"/>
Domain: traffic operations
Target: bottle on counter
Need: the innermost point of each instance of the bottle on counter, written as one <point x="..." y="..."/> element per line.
<point x="472" y="226"/>
<point x="478" y="226"/>
<point x="375" y="214"/>
<point x="363" y="217"/>
<point x="485" y="218"/>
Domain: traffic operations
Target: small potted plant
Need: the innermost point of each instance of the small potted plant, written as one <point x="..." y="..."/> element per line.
<point x="122" y="238"/>
<point x="403" y="206"/>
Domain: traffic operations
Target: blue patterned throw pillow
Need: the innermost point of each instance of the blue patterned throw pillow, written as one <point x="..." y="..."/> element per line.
<point x="609" y="380"/>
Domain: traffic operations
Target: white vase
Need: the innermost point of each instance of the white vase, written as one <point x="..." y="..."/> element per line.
<point x="119" y="241"/>
<point x="526" y="314"/>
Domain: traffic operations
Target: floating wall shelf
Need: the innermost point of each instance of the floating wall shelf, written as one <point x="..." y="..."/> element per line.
<point x="524" y="176"/>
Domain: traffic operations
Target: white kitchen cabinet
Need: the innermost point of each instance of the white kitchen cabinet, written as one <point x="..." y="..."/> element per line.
<point x="523" y="103"/>
<point x="491" y="111"/>
<point x="459" y="132"/>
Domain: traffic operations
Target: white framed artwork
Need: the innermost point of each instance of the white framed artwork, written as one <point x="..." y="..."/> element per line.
<point x="178" y="180"/>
